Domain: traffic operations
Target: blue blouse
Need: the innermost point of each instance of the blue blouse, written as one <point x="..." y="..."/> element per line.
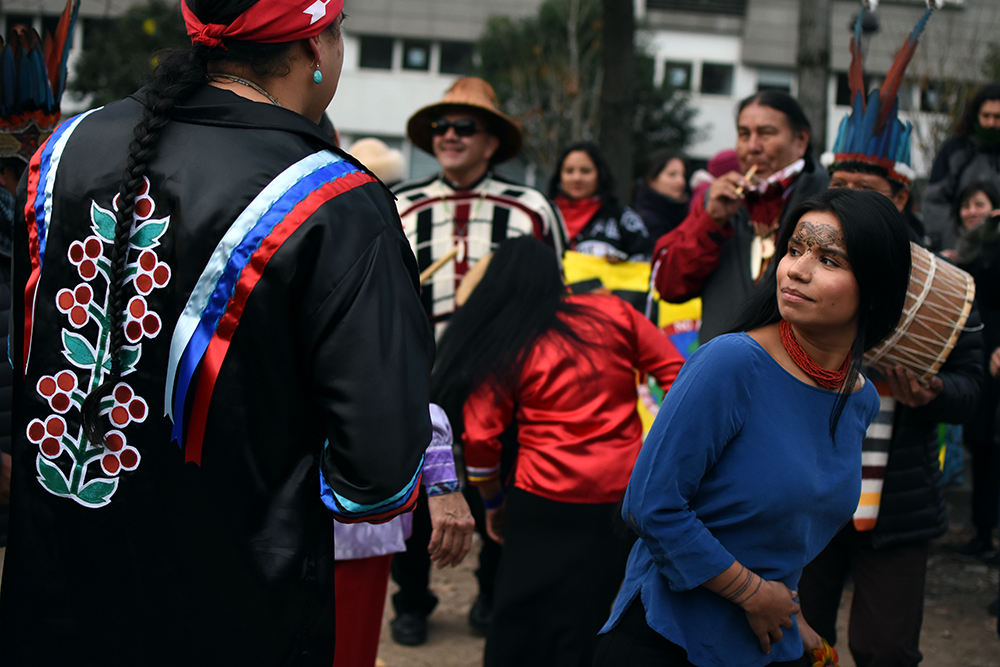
<point x="739" y="465"/>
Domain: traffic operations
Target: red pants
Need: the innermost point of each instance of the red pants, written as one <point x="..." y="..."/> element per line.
<point x="360" y="589"/>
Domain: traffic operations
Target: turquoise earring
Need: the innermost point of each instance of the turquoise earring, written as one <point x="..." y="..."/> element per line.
<point x="317" y="76"/>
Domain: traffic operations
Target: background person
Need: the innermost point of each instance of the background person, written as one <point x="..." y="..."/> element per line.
<point x="471" y="206"/>
<point x="973" y="154"/>
<point x="584" y="190"/>
<point x="563" y="366"/>
<point x="211" y="525"/>
<point x="884" y="549"/>
<point x="781" y="405"/>
<point x="31" y="111"/>
<point x="726" y="245"/>
<point x="661" y="197"/>
<point x="978" y="252"/>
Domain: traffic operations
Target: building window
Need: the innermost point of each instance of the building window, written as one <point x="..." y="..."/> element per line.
<point x="456" y="57"/>
<point x="677" y="74"/>
<point x="774" y="79"/>
<point x="416" y="55"/>
<point x="376" y="52"/>
<point x="716" y="79"/>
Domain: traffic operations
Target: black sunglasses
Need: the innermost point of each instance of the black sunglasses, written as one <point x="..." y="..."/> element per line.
<point x="464" y="127"/>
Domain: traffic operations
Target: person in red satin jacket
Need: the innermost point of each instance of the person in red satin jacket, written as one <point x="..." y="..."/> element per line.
<point x="564" y="368"/>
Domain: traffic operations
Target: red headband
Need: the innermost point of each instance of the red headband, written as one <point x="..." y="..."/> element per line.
<point x="267" y="22"/>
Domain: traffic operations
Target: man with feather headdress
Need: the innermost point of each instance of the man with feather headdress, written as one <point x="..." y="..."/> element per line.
<point x="885" y="548"/>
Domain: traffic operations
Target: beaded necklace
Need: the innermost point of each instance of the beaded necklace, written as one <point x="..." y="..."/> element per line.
<point x="825" y="378"/>
<point x="249" y="84"/>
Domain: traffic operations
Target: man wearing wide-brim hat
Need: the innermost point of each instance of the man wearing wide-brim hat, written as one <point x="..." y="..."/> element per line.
<point x="469" y="207"/>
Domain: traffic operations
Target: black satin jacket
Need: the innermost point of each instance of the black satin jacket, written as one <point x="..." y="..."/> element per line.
<point x="203" y="538"/>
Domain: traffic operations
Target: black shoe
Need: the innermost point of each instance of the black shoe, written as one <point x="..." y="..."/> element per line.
<point x="481" y="614"/>
<point x="976" y="546"/>
<point x="409" y="629"/>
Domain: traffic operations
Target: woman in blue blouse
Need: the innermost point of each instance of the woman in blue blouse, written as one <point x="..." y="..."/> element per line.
<point x="754" y="461"/>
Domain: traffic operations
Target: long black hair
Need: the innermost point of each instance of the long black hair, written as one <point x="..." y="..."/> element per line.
<point x="658" y="161"/>
<point x="789" y="107"/>
<point x="970" y="118"/>
<point x="179" y="75"/>
<point x="605" y="179"/>
<point x="519" y="299"/>
<point x="878" y="248"/>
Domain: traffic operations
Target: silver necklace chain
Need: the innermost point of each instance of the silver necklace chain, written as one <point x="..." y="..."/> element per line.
<point x="248" y="83"/>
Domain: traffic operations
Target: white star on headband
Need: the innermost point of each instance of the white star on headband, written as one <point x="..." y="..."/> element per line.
<point x="316" y="10"/>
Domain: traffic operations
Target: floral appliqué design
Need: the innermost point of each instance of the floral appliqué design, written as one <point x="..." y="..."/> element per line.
<point x="68" y="465"/>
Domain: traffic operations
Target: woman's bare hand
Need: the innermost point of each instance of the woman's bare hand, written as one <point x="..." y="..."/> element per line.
<point x="769" y="610"/>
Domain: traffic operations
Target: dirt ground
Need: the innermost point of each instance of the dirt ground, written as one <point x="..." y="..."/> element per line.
<point x="957" y="630"/>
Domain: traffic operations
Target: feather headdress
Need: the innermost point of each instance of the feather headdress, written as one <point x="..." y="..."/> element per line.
<point x="32" y="81"/>
<point x="872" y="132"/>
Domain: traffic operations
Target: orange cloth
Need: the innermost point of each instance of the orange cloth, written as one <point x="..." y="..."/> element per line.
<point x="578" y="428"/>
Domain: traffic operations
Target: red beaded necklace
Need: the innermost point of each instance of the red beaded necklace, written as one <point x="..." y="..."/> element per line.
<point x="823" y="377"/>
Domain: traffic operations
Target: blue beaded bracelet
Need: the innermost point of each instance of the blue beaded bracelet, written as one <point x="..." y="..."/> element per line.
<point x="494" y="502"/>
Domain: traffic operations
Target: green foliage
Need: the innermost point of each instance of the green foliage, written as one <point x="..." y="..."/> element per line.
<point x="119" y="56"/>
<point x="546" y="70"/>
<point x="664" y="118"/>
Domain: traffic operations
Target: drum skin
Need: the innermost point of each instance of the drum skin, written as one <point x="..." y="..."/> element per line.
<point x="938" y="302"/>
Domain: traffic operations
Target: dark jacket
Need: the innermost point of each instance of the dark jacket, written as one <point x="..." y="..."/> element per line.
<point x="660" y="212"/>
<point x="960" y="162"/>
<point x="287" y="260"/>
<point x="912" y="507"/>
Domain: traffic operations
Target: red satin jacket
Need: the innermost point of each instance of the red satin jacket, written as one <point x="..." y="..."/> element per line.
<point x="578" y="428"/>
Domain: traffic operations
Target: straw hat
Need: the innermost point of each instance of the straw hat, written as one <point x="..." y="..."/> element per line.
<point x="468" y="93"/>
<point x="385" y="162"/>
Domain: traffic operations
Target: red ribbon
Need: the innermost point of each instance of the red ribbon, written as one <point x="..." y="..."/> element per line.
<point x="266" y="22"/>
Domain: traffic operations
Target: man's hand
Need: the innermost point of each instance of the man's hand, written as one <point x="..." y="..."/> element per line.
<point x="725" y="197"/>
<point x="908" y="391"/>
<point x="4" y="479"/>
<point x="451" y="529"/>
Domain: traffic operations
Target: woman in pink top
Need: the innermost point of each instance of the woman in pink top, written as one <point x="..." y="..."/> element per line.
<point x="563" y="368"/>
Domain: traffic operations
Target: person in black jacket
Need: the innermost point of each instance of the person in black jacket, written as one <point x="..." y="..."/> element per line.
<point x="202" y="249"/>
<point x="884" y="550"/>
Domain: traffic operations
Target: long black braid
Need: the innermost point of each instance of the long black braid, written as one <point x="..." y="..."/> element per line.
<point x="176" y="78"/>
<point x="179" y="75"/>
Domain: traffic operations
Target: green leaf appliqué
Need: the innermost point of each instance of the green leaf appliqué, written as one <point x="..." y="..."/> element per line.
<point x="129" y="357"/>
<point x="51" y="477"/>
<point x="97" y="492"/>
<point x="78" y="350"/>
<point x="103" y="222"/>
<point x="148" y="234"/>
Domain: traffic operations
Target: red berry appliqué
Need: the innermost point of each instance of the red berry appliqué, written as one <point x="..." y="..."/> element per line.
<point x="84" y="255"/>
<point x="150" y="273"/>
<point x="139" y="321"/>
<point x="58" y="390"/>
<point x="48" y="435"/>
<point x="119" y="456"/>
<point x="127" y="408"/>
<point x="74" y="302"/>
